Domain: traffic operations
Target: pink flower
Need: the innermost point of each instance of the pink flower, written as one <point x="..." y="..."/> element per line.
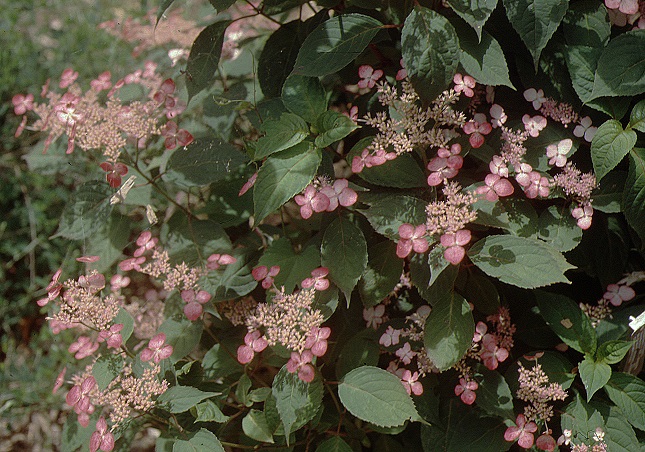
<point x="112" y="336"/>
<point x="545" y="442"/>
<point x="101" y="439"/>
<point x="498" y="166"/>
<point x="300" y="362"/>
<point x="215" y="261"/>
<point x="454" y="243"/>
<point x="157" y="349"/>
<point x="53" y="289"/>
<point x="464" y="84"/>
<point x="535" y="97"/>
<point x="102" y="82"/>
<point x="374" y="316"/>
<point x="477" y="128"/>
<point x="480" y="331"/>
<point x="405" y="353"/>
<point x="534" y="125"/>
<point x="367" y="161"/>
<point x="557" y="153"/>
<point x="539" y="186"/>
<point x="522" y="433"/>
<point x="443" y="168"/>
<point x="495" y="187"/>
<point x="412" y="238"/>
<point x="134" y="263"/>
<point x="248" y="184"/>
<point x="83" y="347"/>
<point x="317" y="340"/>
<point x="114" y="173"/>
<point x="339" y="193"/>
<point x="262" y="273"/>
<point x="78" y="396"/>
<point x="585" y="130"/>
<point x="466" y="390"/>
<point x="497" y="115"/>
<point x="22" y="104"/>
<point x="145" y="242"/>
<point x="352" y="113"/>
<point x="624" y="6"/>
<point x="410" y="383"/>
<point x="522" y="174"/>
<point x="88" y="259"/>
<point x="60" y="379"/>
<point x="164" y="95"/>
<point x="175" y="136"/>
<point x="310" y="201"/>
<point x="583" y="216"/>
<point x="194" y="302"/>
<point x="368" y="76"/>
<point x="390" y="337"/>
<point x="253" y="342"/>
<point x="318" y="279"/>
<point x="617" y="294"/>
<point x="402" y="73"/>
<point x="491" y="354"/>
<point x="68" y="77"/>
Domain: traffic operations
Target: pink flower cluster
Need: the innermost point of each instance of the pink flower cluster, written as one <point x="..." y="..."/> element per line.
<point x="315" y="346"/>
<point x="321" y="196"/>
<point x="368" y="159"/>
<point x="266" y="275"/>
<point x="79" y="398"/>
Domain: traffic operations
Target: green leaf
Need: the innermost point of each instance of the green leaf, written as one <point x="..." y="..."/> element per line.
<point x="377" y="396"/>
<point x="86" y="212"/>
<point x="494" y="396"/>
<point x="201" y="441"/>
<point x="586" y="24"/>
<point x="242" y="390"/>
<point x="634" y="194"/>
<point x="608" y="197"/>
<point x="612" y="352"/>
<point x="637" y="117"/>
<point x="362" y="349"/>
<point x="482" y="293"/>
<point x="581" y="62"/>
<point x="567" y="320"/>
<point x="522" y="262"/>
<point x="620" y="436"/>
<point x="278" y="57"/>
<point x="387" y="212"/>
<point x="475" y="12"/>
<point x="203" y="59"/>
<point x="344" y="253"/>
<point x="304" y="96"/>
<point x="208" y="411"/>
<point x="105" y="369"/>
<point x="182" y="334"/>
<point x="272" y="7"/>
<point x="235" y="280"/>
<point x="219" y="362"/>
<point x="297" y="401"/>
<point x="204" y="161"/>
<point x="293" y="267"/>
<point x="335" y="44"/>
<point x="515" y="215"/>
<point x="621" y="66"/>
<point x="535" y="21"/>
<point x="192" y="241"/>
<point x="382" y="274"/>
<point x="183" y="398"/>
<point x="594" y="375"/>
<point x="333" y="126"/>
<point x="283" y="176"/>
<point x="430" y="49"/>
<point x="482" y="57"/>
<point x="581" y="418"/>
<point x="254" y="425"/>
<point x="280" y="134"/>
<point x="559" y="229"/>
<point x="125" y="319"/>
<point x="109" y="242"/>
<point x="449" y="330"/>
<point x="628" y="393"/>
<point x="221" y="5"/>
<point x="608" y="147"/>
<point x="334" y="444"/>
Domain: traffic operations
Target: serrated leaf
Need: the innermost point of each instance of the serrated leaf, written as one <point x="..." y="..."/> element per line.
<point x="567" y="320"/>
<point x="449" y="330"/>
<point x="609" y="146"/>
<point x="280" y="134"/>
<point x="594" y="375"/>
<point x="334" y="444"/>
<point x="494" y="396"/>
<point x="377" y="396"/>
<point x="608" y="197"/>
<point x="559" y="229"/>
<point x="520" y="261"/>
<point x="634" y="194"/>
<point x="474" y="12"/>
<point x="86" y="212"/>
<point x="613" y="352"/>
<point x="297" y="401"/>
<point x="621" y="66"/>
<point x="581" y="62"/>
<point x="344" y="253"/>
<point x="221" y="5"/>
<point x="382" y="274"/>
<point x="333" y="126"/>
<point x="283" y="176"/>
<point x="254" y="425"/>
<point x="203" y="59"/>
<point x="192" y="241"/>
<point x="234" y="280"/>
<point x="515" y="215"/>
<point x="218" y="362"/>
<point x="620" y="435"/>
<point x="535" y="21"/>
<point x="586" y="24"/>
<point x="208" y="411"/>
<point x="183" y="398"/>
<point x="201" y="441"/>
<point x="387" y="212"/>
<point x="581" y="419"/>
<point x="294" y="267"/>
<point x="335" y="44"/>
<point x="637" y="117"/>
<point x="483" y="58"/>
<point x="430" y="49"/>
<point x="105" y="369"/>
<point x="628" y="393"/>
<point x="203" y="162"/>
<point x="182" y="334"/>
<point x="304" y="96"/>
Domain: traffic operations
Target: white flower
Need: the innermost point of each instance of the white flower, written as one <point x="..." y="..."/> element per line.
<point x="498" y="117"/>
<point x="536" y="97"/>
<point x="557" y="153"/>
<point x="585" y="129"/>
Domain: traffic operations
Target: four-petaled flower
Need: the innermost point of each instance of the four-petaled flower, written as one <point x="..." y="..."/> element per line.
<point x="616" y="294"/>
<point x="477" y="128"/>
<point x="112" y="336"/>
<point x="68" y="77"/>
<point x="535" y="97"/>
<point x="102" y="438"/>
<point x="538" y="186"/>
<point x="215" y="261"/>
<point x="534" y="125"/>
<point x="368" y="76"/>
<point x="317" y="340"/>
<point x="114" y="173"/>
<point x="412" y="238"/>
<point x="83" y="347"/>
<point x="480" y="330"/>
<point x="624" y="6"/>
<point x="557" y="153"/>
<point x="253" y="342"/>
<point x="318" y="279"/>
<point x="522" y="432"/>
<point x="583" y="216"/>
<point x="498" y="166"/>
<point x="194" y="301"/>
<point x="145" y="242"/>
<point x="495" y="187"/>
<point x="300" y="362"/>
<point x="102" y="82"/>
<point x="497" y="116"/>
<point x="464" y="84"/>
<point x="157" y="349"/>
<point x="374" y="315"/>
<point x="164" y="95"/>
<point x="389" y="337"/>
<point x="454" y="243"/>
<point x="466" y="390"/>
<point x="410" y="383"/>
<point x="339" y="193"/>
<point x="491" y="353"/>
<point x="310" y="201"/>
<point x="266" y="275"/>
<point x="175" y="136"/>
<point x="22" y="104"/>
<point x="585" y="130"/>
<point x="406" y="353"/>
<point x="78" y="397"/>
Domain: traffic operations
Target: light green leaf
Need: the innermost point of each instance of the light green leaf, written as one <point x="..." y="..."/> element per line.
<point x="522" y="262"/>
<point x="634" y="194"/>
<point x="107" y="368"/>
<point x="254" y="425"/>
<point x="483" y="58"/>
<point x="621" y="66"/>
<point x="183" y="398"/>
<point x="304" y="96"/>
<point x="608" y="147"/>
<point x="344" y="253"/>
<point x="333" y="126"/>
<point x="208" y="411"/>
<point x="377" y="396"/>
<point x="202" y="441"/>
<point x="449" y="330"/>
<point x="86" y="212"/>
<point x="535" y="21"/>
<point x="559" y="229"/>
<point x="283" y="176"/>
<point x="280" y="134"/>
<point x="475" y="12"/>
<point x="594" y="375"/>
<point x="613" y="352"/>
<point x="297" y="401"/>
<point x="203" y="59"/>
<point x="387" y="212"/>
<point x="293" y="267"/>
<point x="335" y="44"/>
<point x="430" y="48"/>
<point x="383" y="272"/>
<point x="182" y="334"/>
<point x="628" y="393"/>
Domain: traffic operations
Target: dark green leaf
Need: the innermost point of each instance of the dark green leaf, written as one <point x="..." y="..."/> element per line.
<point x="297" y="401"/>
<point x="362" y="349"/>
<point x="333" y="444"/>
<point x="515" y="215"/>
<point x="86" y="212"/>
<point x="594" y="375"/>
<point x="609" y="146"/>
<point x="201" y="441"/>
<point x="559" y="229"/>
<point x="221" y="5"/>
<point x="634" y="194"/>
<point x="182" y="334"/>
<point x="193" y="241"/>
<point x="333" y="126"/>
<point x="203" y="60"/>
<point x="383" y="272"/>
<point x="235" y="280"/>
<point x="494" y="396"/>
<point x="208" y="411"/>
<point x="628" y="393"/>
<point x="609" y="195"/>
<point x="637" y="117"/>
<point x="475" y="12"/>
<point x="612" y="352"/>
<point x="304" y="96"/>
<point x="280" y="134"/>
<point x="621" y="66"/>
<point x="586" y="24"/>
<point x="294" y="267"/>
<point x="183" y="398"/>
<point x="389" y="211"/>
